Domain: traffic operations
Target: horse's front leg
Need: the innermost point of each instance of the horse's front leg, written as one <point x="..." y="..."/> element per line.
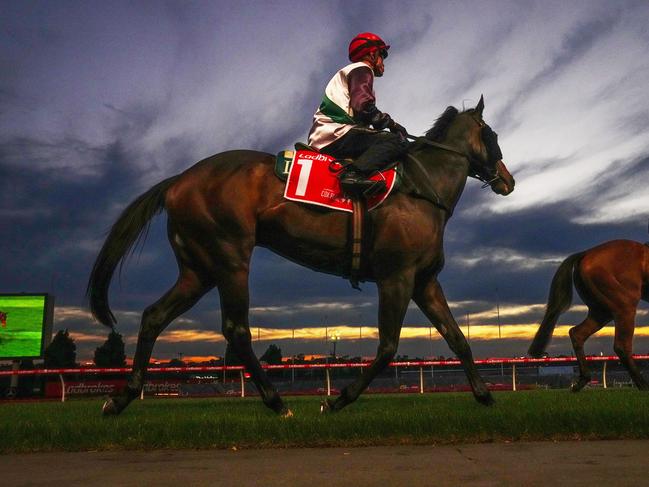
<point x="394" y="295"/>
<point x="431" y="300"/>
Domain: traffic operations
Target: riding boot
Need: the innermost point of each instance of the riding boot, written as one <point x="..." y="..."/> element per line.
<point x="353" y="182"/>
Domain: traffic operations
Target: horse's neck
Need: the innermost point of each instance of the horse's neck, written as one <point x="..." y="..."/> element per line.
<point x="440" y="172"/>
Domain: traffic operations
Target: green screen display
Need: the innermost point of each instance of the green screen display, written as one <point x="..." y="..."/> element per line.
<point x="25" y="325"/>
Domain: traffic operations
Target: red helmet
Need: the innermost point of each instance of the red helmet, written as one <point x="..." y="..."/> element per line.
<point x="365" y="43"/>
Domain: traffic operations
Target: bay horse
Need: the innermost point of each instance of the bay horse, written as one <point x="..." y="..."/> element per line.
<point x="222" y="207"/>
<point x="611" y="279"/>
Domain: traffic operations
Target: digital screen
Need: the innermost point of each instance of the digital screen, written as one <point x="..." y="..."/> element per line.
<point x="25" y="325"/>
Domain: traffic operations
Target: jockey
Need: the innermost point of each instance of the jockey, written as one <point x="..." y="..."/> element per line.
<point x="348" y="125"/>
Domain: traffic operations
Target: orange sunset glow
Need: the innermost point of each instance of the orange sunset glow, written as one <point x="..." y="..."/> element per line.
<point x="473" y="332"/>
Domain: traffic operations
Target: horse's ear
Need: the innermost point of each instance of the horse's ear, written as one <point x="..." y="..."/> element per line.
<point x="480" y="106"/>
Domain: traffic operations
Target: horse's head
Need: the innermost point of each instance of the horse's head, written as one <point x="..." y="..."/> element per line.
<point x="485" y="156"/>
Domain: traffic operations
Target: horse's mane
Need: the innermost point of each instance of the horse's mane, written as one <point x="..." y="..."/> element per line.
<point x="415" y="180"/>
<point x="438" y="131"/>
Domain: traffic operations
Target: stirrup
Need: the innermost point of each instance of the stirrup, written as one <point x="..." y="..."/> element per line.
<point x="376" y="188"/>
<point x="358" y="187"/>
<point x="353" y="182"/>
<point x="355" y="185"/>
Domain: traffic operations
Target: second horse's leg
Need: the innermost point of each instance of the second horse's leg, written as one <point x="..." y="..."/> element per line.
<point x="623" y="346"/>
<point x="578" y="335"/>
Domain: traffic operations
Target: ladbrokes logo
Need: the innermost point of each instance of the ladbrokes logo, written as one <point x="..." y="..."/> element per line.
<point x="90" y="388"/>
<point x="315" y="157"/>
<point x="161" y="387"/>
<point x="98" y="388"/>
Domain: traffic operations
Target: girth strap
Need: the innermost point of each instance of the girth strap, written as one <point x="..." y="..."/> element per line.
<point x="358" y="216"/>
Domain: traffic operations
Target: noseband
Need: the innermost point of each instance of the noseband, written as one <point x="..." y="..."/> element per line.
<point x="490" y="140"/>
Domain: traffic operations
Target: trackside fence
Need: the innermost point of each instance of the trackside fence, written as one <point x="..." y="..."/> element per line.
<point x="327" y="378"/>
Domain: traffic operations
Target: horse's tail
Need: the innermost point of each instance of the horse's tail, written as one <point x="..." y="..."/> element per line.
<point x="559" y="301"/>
<point x="131" y="226"/>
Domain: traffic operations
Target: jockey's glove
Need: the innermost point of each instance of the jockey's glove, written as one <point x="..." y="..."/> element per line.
<point x="375" y="117"/>
<point x="396" y="128"/>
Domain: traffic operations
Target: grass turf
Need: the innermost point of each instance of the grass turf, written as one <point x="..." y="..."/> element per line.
<point x="372" y="420"/>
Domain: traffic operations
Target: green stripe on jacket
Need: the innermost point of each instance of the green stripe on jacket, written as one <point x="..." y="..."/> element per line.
<point x="334" y="112"/>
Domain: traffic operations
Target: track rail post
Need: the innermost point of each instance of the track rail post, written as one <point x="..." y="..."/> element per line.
<point x="62" y="387"/>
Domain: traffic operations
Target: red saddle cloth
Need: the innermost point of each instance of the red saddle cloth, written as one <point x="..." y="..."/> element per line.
<point x="313" y="178"/>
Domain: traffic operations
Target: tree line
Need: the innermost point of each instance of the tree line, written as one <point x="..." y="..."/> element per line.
<point x="62" y="353"/>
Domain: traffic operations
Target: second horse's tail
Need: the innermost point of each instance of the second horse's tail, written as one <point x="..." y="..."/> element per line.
<point x="559" y="301"/>
<point x="124" y="234"/>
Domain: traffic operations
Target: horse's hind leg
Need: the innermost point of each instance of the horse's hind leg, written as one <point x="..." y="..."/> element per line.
<point x="620" y="298"/>
<point x="431" y="300"/>
<point x="623" y="346"/>
<point x="183" y="295"/>
<point x="578" y="335"/>
<point x="233" y="289"/>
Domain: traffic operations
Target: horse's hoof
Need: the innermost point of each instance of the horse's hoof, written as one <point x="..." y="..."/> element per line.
<point x="326" y="406"/>
<point x="486" y="399"/>
<point x="110" y="408"/>
<point x="579" y="385"/>
<point x="286" y="414"/>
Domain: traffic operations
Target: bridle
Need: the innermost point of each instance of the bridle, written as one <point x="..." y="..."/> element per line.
<point x="487" y="181"/>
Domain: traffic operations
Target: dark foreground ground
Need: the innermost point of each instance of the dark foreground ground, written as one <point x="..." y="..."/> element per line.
<point x="586" y="463"/>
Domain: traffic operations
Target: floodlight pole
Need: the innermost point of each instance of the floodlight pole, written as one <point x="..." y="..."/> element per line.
<point x="326" y="339"/>
<point x="498" y="314"/>
<point x="432" y="352"/>
<point x="293" y="356"/>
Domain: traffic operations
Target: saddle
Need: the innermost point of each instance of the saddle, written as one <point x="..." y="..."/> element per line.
<point x="284" y="163"/>
<point x="312" y="177"/>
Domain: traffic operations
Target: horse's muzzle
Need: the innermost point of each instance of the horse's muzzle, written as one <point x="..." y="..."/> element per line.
<point x="505" y="182"/>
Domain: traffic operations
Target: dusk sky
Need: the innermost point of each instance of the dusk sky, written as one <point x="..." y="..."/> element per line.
<point x="101" y="100"/>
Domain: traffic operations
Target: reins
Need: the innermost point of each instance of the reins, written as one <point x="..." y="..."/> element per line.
<point x="437" y="144"/>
